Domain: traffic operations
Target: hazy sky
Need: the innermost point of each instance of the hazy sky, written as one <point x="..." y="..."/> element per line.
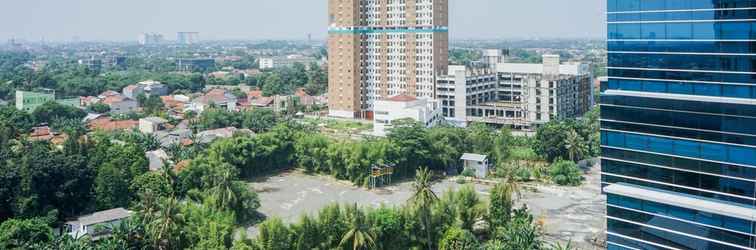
<point x="280" y="19"/>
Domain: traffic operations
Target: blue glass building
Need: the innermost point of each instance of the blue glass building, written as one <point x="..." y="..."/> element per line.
<point x="678" y="124"/>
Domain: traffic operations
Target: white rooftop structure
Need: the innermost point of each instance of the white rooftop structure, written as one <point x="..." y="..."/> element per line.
<point x="97" y="224"/>
<point x="473" y="157"/>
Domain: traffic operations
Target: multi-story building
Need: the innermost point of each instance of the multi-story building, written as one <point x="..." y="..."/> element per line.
<point x="519" y="95"/>
<point x="383" y="48"/>
<point x="187" y="38"/>
<point x="288" y="61"/>
<point x="148" y="88"/>
<point x="678" y="125"/>
<point x="29" y="101"/>
<point x="150" y="39"/>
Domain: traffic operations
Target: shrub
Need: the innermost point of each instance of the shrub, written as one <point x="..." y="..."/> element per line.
<point x="468" y="172"/>
<point x="565" y="173"/>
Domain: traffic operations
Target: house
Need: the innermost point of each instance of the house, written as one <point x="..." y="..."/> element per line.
<point x="262" y="102"/>
<point x="219" y="97"/>
<point x="157" y="158"/>
<point x="151" y="125"/>
<point x="148" y="88"/>
<point x="105" y="123"/>
<point x="97" y="225"/>
<point x="173" y="137"/>
<point x="42" y="133"/>
<point x="478" y="163"/>
<point x="120" y="104"/>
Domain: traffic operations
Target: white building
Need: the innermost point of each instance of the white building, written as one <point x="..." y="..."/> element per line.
<point x="519" y="95"/>
<point x="96" y="225"/>
<point x="288" y="61"/>
<point x="425" y="111"/>
<point x="219" y="97"/>
<point x="477" y="163"/>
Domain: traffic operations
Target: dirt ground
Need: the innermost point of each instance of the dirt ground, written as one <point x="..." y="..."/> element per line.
<point x="567" y="213"/>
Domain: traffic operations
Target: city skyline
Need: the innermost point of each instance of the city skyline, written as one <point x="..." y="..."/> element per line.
<point x="90" y="20"/>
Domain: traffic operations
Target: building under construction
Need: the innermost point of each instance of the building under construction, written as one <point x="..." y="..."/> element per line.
<point x="518" y="95"/>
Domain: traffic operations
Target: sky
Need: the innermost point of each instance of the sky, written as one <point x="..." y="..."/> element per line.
<point x="124" y="20"/>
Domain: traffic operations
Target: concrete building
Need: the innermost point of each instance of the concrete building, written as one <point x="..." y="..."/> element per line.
<point x="519" y="95"/>
<point x="423" y="110"/>
<point x="150" y="39"/>
<point x="29" y="101"/>
<point x="378" y="49"/>
<point x="287" y="61"/>
<point x="200" y="64"/>
<point x="148" y="88"/>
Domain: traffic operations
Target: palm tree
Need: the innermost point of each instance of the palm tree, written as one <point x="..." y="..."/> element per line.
<point x="165" y="227"/>
<point x="575" y="145"/>
<point x="359" y="233"/>
<point x="223" y="187"/>
<point x="423" y="198"/>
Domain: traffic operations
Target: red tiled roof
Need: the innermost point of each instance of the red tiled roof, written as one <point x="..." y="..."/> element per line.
<point x="402" y="98"/>
<point x="262" y="101"/>
<point x="108" y="124"/>
<point x="109" y="93"/>
<point x="110" y="100"/>
<point x="254" y="94"/>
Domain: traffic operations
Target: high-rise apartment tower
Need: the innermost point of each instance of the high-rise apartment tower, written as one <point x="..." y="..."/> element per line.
<point x="383" y="48"/>
<point x="678" y="124"/>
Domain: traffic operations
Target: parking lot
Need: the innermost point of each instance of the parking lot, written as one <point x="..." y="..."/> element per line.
<point x="567" y="213"/>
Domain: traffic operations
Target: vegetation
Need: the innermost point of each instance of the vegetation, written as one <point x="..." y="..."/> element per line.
<point x="569" y="139"/>
<point x="566" y="173"/>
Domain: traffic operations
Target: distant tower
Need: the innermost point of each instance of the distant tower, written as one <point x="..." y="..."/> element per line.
<point x="309" y="38"/>
<point x="187" y="38"/>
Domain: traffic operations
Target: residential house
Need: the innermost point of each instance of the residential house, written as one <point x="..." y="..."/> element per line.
<point x="97" y="225"/>
<point x="219" y="97"/>
<point x="423" y="110"/>
<point x="151" y="125"/>
<point x="209" y="136"/>
<point x="120" y="104"/>
<point x="105" y="123"/>
<point x="148" y="88"/>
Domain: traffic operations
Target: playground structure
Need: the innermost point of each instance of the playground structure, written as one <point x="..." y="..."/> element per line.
<point x="381" y="175"/>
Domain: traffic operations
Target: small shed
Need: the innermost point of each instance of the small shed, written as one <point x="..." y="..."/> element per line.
<point x="476" y="162"/>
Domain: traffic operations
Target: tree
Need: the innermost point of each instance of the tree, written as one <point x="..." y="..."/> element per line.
<point x="575" y="145"/>
<point x="520" y="233"/>
<point x="19" y="233"/>
<point x="111" y="188"/>
<point x="500" y="206"/>
<point x="456" y="238"/>
<point x="259" y="120"/>
<point x="359" y="234"/>
<point x="273" y="85"/>
<point x="411" y="139"/>
<point x="99" y="108"/>
<point x="18" y="120"/>
<point x="423" y="198"/>
<point x="566" y="173"/>
<point x="165" y="223"/>
<point x="274" y="235"/>
<point x="51" y="111"/>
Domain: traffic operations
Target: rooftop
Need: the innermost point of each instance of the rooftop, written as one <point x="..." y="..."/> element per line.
<point x="102" y="216"/>
<point x="473" y="157"/>
<point x="402" y="98"/>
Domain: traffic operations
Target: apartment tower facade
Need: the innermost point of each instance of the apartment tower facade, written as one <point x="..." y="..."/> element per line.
<point x="678" y="124"/>
<point x="383" y="48"/>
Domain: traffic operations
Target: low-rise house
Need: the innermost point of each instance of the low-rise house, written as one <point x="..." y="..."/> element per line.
<point x="157" y="159"/>
<point x="151" y="125"/>
<point x="97" y="225"/>
<point x="42" y="133"/>
<point x="262" y="102"/>
<point x="104" y="123"/>
<point x="219" y="97"/>
<point x="148" y="88"/>
<point x="477" y="163"/>
<point x="173" y="137"/>
<point x="120" y="104"/>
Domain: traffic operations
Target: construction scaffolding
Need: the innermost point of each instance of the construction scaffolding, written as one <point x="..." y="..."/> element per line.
<point x="381" y="175"/>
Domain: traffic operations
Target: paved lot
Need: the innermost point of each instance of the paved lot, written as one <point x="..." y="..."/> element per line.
<point x="567" y="213"/>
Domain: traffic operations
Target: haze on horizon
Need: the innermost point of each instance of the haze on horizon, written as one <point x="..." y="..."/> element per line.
<point x="117" y="20"/>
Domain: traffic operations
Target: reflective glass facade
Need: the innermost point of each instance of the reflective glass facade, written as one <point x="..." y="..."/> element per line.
<point x="678" y="114"/>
